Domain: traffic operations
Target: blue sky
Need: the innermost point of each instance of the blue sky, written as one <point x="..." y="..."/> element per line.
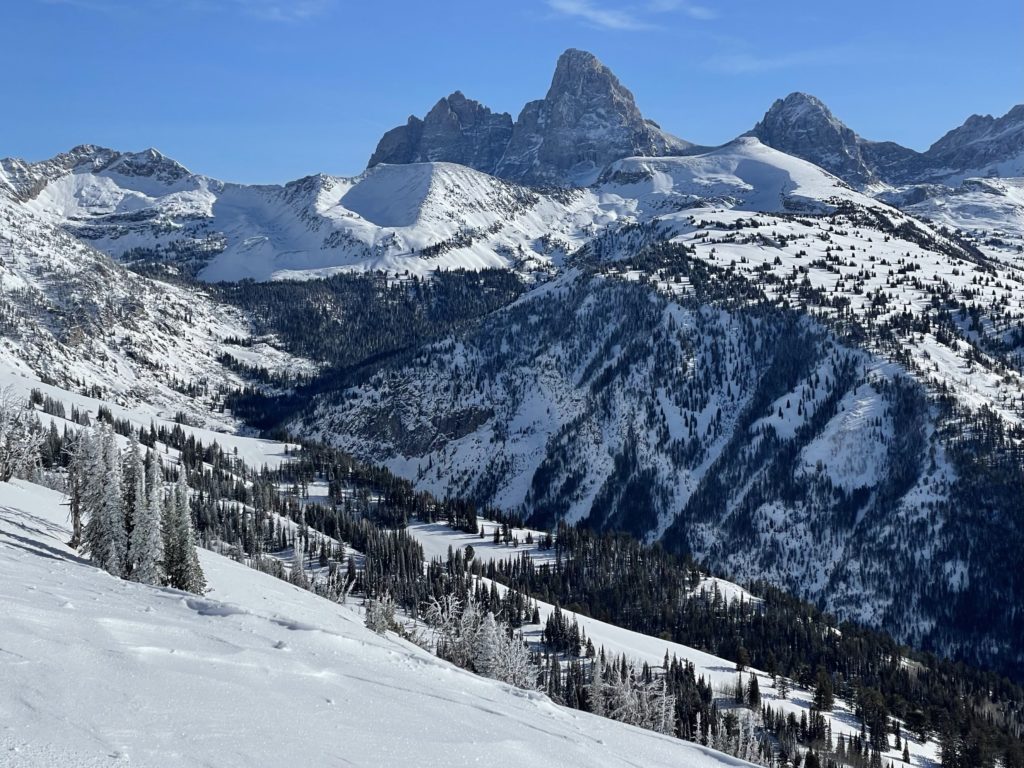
<point x="270" y="90"/>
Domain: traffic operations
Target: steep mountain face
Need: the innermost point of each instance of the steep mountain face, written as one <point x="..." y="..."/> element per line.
<point x="456" y="130"/>
<point x="804" y="393"/>
<point x="803" y="126"/>
<point x="586" y="120"/>
<point x="984" y="144"/>
<point x="71" y="317"/>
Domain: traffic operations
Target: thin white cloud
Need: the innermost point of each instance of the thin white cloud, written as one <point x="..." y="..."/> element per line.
<point x="281" y="10"/>
<point x="699" y="12"/>
<point x="599" y="17"/>
<point x="629" y="17"/>
<point x="266" y="10"/>
<point x="747" y="62"/>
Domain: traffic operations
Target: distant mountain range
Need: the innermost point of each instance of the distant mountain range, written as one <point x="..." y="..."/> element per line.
<point x="796" y="356"/>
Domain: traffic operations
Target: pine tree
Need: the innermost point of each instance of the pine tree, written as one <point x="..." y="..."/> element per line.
<point x="180" y="555"/>
<point x="146" y="538"/>
<point x="134" y="497"/>
<point x="824" y="699"/>
<point x="596" y="690"/>
<point x="782" y="687"/>
<point x="486" y="646"/>
<point x="512" y="661"/>
<point x="20" y="435"/>
<point x="753" y="693"/>
<point x="297" y="576"/>
<point x="105" y="535"/>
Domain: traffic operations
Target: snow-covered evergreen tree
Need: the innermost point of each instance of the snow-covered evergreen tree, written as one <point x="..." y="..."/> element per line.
<point x="297" y="575"/>
<point x="380" y="614"/>
<point x="180" y="557"/>
<point x="146" y="548"/>
<point x="595" y="691"/>
<point x="133" y="472"/>
<point x="105" y="536"/>
<point x="485" y="649"/>
<point x="512" y="663"/>
<point x="20" y="435"/>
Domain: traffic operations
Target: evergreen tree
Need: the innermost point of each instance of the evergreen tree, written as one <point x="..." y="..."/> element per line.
<point x="782" y="687"/>
<point x="596" y="689"/>
<point x="133" y="498"/>
<point x="297" y="575"/>
<point x="146" y="548"/>
<point x="182" y="560"/>
<point x="824" y="698"/>
<point x="486" y="646"/>
<point x="753" y="693"/>
<point x="20" y="435"/>
<point x="105" y="535"/>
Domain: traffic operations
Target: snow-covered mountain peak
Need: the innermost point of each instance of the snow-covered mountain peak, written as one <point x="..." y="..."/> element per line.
<point x="982" y="146"/>
<point x="586" y="120"/>
<point x="802" y="125"/>
<point x="27" y="180"/>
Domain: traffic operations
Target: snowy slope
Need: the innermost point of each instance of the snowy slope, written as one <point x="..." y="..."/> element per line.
<point x="416" y="217"/>
<point x="639" y="648"/>
<point x="97" y="671"/>
<point x="744" y="174"/>
<point x="990" y="209"/>
<point x="71" y="317"/>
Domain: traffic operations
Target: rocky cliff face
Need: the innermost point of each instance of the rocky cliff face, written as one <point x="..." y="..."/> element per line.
<point x="587" y="120"/>
<point x="456" y="130"/>
<point x="803" y="126"/>
<point x="983" y="143"/>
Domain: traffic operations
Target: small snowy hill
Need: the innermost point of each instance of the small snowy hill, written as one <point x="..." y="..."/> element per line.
<point x="744" y="174"/>
<point x="95" y="671"/>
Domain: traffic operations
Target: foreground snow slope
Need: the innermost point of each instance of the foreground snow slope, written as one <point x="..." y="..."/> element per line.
<point x="95" y="672"/>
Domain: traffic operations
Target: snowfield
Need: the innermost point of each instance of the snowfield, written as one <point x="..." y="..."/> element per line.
<point x="95" y="671"/>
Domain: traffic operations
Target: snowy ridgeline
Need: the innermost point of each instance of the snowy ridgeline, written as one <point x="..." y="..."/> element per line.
<point x="96" y="671"/>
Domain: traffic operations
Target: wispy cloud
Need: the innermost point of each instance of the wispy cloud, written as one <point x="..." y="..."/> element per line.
<point x="608" y="18"/>
<point x="279" y="10"/>
<point x="266" y="10"/>
<point x="629" y="17"/>
<point x="746" y="62"/>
